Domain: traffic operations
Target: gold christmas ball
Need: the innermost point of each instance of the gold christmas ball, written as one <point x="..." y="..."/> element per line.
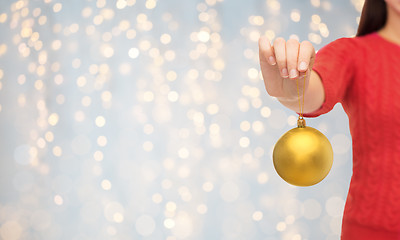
<point x="303" y="156"/>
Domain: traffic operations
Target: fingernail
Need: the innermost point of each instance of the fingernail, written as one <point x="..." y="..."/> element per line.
<point x="285" y="73"/>
<point x="303" y="66"/>
<point x="272" y="60"/>
<point x="293" y="73"/>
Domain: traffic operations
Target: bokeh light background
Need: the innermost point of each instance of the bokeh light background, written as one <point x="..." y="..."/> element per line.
<point x="149" y="119"/>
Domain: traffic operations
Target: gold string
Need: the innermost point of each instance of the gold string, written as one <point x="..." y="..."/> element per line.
<point x="301" y="105"/>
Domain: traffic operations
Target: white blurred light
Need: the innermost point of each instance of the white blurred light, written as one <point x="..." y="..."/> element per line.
<point x="145" y="225"/>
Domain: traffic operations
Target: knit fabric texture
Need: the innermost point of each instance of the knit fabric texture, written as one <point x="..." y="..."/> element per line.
<point x="363" y="74"/>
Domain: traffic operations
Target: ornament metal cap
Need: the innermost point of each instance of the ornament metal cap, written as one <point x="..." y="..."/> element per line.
<point x="301" y="123"/>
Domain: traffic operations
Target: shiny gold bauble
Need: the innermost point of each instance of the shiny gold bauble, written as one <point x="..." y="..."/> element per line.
<point x="303" y="156"/>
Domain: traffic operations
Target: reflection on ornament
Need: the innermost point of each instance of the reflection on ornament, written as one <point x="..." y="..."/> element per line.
<point x="303" y="156"/>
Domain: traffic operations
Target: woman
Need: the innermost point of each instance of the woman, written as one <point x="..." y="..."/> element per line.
<point x="363" y="74"/>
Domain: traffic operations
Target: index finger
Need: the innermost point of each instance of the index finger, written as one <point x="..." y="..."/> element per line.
<point x="265" y="50"/>
<point x="306" y="56"/>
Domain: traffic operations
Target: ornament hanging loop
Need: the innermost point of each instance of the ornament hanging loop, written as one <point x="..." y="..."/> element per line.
<point x="301" y="122"/>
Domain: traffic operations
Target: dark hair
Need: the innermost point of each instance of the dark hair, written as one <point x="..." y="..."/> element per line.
<point x="373" y="17"/>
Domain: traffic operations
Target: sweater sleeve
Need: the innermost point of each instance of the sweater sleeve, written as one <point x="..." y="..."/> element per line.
<point x="335" y="65"/>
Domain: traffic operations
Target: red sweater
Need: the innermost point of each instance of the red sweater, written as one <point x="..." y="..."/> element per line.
<point x="363" y="74"/>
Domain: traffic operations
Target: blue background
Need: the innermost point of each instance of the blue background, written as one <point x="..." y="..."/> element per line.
<point x="149" y="120"/>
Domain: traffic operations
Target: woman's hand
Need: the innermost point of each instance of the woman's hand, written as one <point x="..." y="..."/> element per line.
<point x="283" y="63"/>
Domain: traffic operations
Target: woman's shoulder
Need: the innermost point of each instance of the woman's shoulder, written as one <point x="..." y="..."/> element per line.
<point x="374" y="43"/>
<point x="365" y="42"/>
<point x="355" y="41"/>
<point x="351" y="45"/>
